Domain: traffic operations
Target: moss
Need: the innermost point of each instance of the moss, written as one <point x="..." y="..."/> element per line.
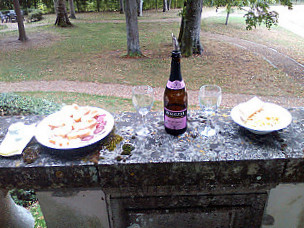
<point x="111" y="141"/>
<point x="31" y="153"/>
<point x="118" y="158"/>
<point x="127" y="149"/>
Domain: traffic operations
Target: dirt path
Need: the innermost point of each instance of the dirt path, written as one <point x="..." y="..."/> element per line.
<point x="124" y="91"/>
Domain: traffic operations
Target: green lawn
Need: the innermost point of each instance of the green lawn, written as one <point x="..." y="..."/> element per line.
<point x="94" y="51"/>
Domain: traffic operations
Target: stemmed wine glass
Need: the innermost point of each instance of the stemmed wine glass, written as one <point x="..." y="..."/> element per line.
<point x="143" y="99"/>
<point x="210" y="97"/>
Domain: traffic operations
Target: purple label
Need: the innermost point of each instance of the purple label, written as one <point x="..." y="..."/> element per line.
<point x="176" y="84"/>
<point x="175" y="120"/>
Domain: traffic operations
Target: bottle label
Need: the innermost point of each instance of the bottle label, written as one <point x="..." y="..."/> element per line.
<point x="175" y="120"/>
<point x="176" y="84"/>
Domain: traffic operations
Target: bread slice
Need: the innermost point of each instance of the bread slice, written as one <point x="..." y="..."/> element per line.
<point x="249" y="108"/>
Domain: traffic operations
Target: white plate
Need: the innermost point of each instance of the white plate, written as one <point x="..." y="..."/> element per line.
<point x="43" y="132"/>
<point x="284" y="116"/>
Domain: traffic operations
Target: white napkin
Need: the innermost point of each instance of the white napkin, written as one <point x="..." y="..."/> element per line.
<point x="16" y="139"/>
<point x="250" y="107"/>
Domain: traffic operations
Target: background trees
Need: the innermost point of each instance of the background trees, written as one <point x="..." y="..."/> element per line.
<point x="89" y="5"/>
<point x="189" y="36"/>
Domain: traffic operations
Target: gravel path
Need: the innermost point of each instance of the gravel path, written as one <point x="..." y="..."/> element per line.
<point x="125" y="91"/>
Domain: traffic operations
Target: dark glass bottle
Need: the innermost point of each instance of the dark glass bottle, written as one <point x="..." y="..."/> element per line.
<point x="175" y="99"/>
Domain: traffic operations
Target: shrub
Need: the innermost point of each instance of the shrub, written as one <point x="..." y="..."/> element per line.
<point x="23" y="197"/>
<point x="13" y="104"/>
<point x="35" y="15"/>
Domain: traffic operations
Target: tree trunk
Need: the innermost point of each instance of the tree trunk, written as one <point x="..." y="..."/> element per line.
<point x="165" y="4"/>
<point x="121" y="6"/>
<point x="72" y="9"/>
<point x="62" y="19"/>
<point x="21" y="29"/>
<point x="98" y="5"/>
<point x="169" y="4"/>
<point x="227" y="17"/>
<point x="55" y="6"/>
<point x="139" y="7"/>
<point x="189" y="36"/>
<point x="132" y="28"/>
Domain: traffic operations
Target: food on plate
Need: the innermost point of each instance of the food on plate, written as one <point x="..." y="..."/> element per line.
<point x="74" y="124"/>
<point x="255" y="114"/>
<point x="263" y="119"/>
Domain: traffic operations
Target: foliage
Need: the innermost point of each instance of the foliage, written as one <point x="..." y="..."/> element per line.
<point x="12" y="104"/>
<point x="257" y="11"/>
<point x="35" y="15"/>
<point x="261" y="15"/>
<point x="43" y="8"/>
<point x="23" y="197"/>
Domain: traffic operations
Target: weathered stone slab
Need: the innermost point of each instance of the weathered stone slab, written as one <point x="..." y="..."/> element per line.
<point x="235" y="157"/>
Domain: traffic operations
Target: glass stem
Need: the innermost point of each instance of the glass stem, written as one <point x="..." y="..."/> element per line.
<point x="209" y="123"/>
<point x="143" y="117"/>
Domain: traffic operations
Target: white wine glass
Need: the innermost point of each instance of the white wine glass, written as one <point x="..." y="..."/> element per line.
<point x="143" y="99"/>
<point x="210" y="98"/>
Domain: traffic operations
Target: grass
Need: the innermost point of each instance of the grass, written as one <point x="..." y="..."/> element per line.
<point x="3" y="27"/>
<point x="37" y="214"/>
<point x="278" y="37"/>
<point x="87" y="52"/>
<point x="112" y="104"/>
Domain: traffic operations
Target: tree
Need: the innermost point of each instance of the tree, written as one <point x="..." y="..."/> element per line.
<point x="132" y="28"/>
<point x="169" y="4"/>
<point x="140" y="7"/>
<point x="55" y="6"/>
<point x="121" y="6"/>
<point x="165" y="5"/>
<point x="189" y="35"/>
<point x="257" y="13"/>
<point x="62" y="18"/>
<point x="72" y="9"/>
<point x="21" y="29"/>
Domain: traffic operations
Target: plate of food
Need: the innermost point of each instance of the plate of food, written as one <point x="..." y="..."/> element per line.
<point x="74" y="127"/>
<point x="260" y="117"/>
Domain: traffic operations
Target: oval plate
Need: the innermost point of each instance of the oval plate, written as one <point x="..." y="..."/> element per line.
<point x="283" y="114"/>
<point x="43" y="131"/>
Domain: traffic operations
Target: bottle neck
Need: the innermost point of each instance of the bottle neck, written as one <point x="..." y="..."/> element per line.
<point x="175" y="74"/>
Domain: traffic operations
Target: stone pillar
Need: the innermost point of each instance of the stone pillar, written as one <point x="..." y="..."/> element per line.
<point x="74" y="208"/>
<point x="13" y="215"/>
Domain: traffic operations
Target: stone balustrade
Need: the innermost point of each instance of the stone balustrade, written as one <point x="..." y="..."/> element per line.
<point x="160" y="180"/>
